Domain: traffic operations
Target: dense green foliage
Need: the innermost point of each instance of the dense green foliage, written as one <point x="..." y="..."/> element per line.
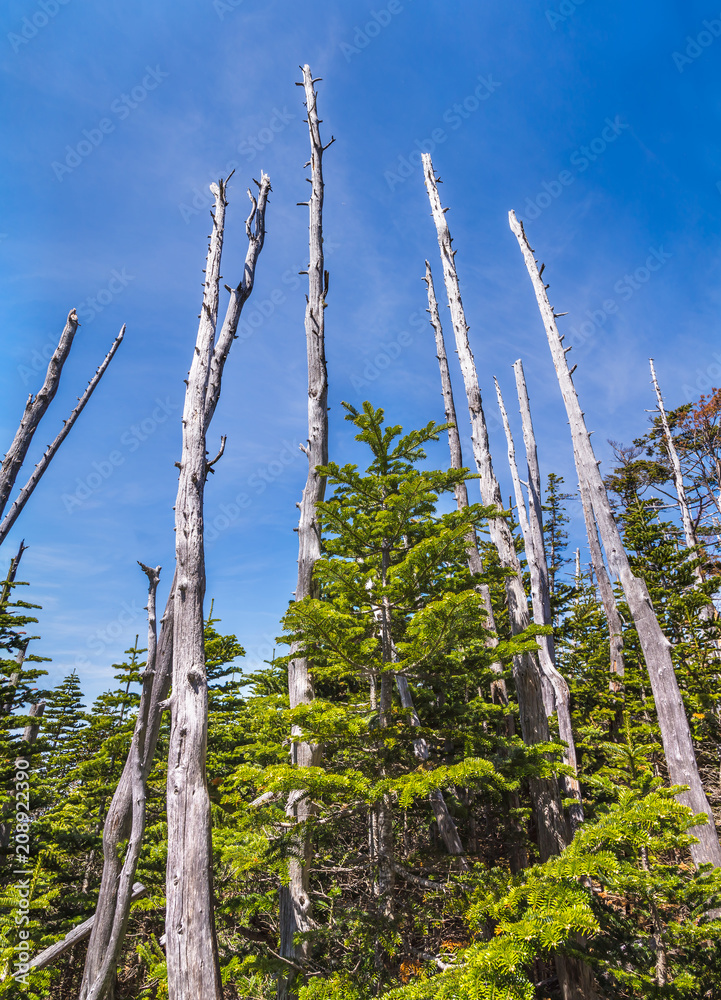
<point x="397" y="609"/>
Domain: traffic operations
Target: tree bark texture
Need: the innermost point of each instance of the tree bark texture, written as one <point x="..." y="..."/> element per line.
<point x="27" y="490"/>
<point x="101" y="962"/>
<point x="675" y="732"/>
<point x="475" y="564"/>
<point x="538" y="571"/>
<point x="295" y="905"/>
<point x="526" y="671"/>
<point x="688" y="531"/>
<point x="191" y="945"/>
<point x="605" y="589"/>
<point x="35" y="409"/>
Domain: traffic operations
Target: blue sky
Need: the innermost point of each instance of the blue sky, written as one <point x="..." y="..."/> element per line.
<point x="597" y="123"/>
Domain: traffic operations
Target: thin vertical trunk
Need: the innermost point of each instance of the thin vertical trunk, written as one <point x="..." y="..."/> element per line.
<point x="608" y="598"/>
<point x="499" y="693"/>
<point x="538" y="571"/>
<point x="526" y="671"/>
<point x="475" y="564"/>
<point x="191" y="944"/>
<point x="675" y="732"/>
<point x="98" y="980"/>
<point x="111" y="908"/>
<point x="295" y="904"/>
<point x="688" y="530"/>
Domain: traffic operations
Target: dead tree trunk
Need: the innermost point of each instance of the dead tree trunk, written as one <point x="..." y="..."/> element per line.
<point x="538" y="570"/>
<point x="688" y="530"/>
<point x="475" y="564"/>
<point x="675" y="732"/>
<point x="39" y="470"/>
<point x="99" y="972"/>
<point x="295" y="905"/>
<point x="526" y="672"/>
<point x="111" y="909"/>
<point x="608" y="598"/>
<point x="35" y="410"/>
<point x="191" y="945"/>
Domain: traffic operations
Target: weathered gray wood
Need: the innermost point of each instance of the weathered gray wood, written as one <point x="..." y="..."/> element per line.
<point x="191" y="944"/>
<point x="295" y="902"/>
<point x="673" y="724"/>
<point x="475" y="564"/>
<point x="605" y="589"/>
<point x="27" y="490"/>
<point x="35" y="409"/>
<point x="560" y="697"/>
<point x="118" y="821"/>
<point x="77" y="934"/>
<point x="526" y="671"/>
<point x="100" y="968"/>
<point x="688" y="529"/>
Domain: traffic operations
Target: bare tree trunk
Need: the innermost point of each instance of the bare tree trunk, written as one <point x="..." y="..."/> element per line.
<point x="99" y="971"/>
<point x="527" y="675"/>
<point x="39" y="470"/>
<point x="191" y="944"/>
<point x="608" y="598"/>
<point x="117" y="827"/>
<point x="75" y="936"/>
<point x="475" y="564"/>
<point x="538" y="570"/>
<point x="675" y="732"/>
<point x="688" y="531"/>
<point x="499" y="693"/>
<point x="35" y="409"/>
<point x="295" y="905"/>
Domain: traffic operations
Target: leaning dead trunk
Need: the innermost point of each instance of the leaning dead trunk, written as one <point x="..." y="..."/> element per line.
<point x="675" y="732"/>
<point x="295" y="914"/>
<point x="99" y="972"/>
<point x="191" y="946"/>
<point x="538" y="571"/>
<point x="35" y="409"/>
<point x="608" y="598"/>
<point x="110" y="907"/>
<point x="688" y="531"/>
<point x="39" y="470"/>
<point x="475" y="564"/>
<point x="527" y="675"/>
